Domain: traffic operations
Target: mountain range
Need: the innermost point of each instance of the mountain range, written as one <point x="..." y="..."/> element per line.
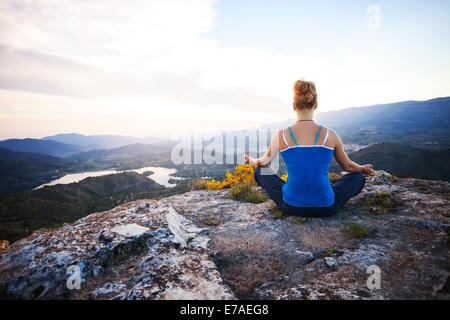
<point x="403" y="161"/>
<point x="417" y="131"/>
<point x="67" y="144"/>
<point x="421" y="124"/>
<point x="20" y="171"/>
<point x="49" y="147"/>
<point x="407" y="139"/>
<point x="102" y="141"/>
<point x="135" y="150"/>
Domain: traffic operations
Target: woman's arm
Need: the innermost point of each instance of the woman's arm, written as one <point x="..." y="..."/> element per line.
<point x="344" y="161"/>
<point x="271" y="153"/>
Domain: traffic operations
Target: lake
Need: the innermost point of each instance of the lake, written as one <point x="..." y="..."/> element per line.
<point x="160" y="175"/>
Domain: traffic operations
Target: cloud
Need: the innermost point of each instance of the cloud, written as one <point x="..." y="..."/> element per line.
<point x="120" y="63"/>
<point x="154" y="50"/>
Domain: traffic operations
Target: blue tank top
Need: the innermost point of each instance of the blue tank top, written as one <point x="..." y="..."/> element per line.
<point x="308" y="184"/>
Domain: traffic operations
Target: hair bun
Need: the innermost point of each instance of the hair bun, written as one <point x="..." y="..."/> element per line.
<point x="305" y="94"/>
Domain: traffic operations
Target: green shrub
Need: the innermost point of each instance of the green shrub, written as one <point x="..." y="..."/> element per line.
<point x="421" y="186"/>
<point x="199" y="184"/>
<point x="211" y="222"/>
<point x="381" y="201"/>
<point x="299" y="220"/>
<point x="248" y="193"/>
<point x="278" y="214"/>
<point x="358" y="231"/>
<point x="329" y="252"/>
<point x="394" y="178"/>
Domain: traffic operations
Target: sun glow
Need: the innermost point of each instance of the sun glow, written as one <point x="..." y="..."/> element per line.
<point x="149" y="67"/>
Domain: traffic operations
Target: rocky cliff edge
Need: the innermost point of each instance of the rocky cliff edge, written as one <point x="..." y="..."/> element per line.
<point x="203" y="245"/>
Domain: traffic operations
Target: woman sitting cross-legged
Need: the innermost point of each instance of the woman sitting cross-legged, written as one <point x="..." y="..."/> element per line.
<point x="307" y="149"/>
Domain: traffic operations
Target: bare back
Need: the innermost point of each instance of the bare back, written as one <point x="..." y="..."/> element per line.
<point x="305" y="134"/>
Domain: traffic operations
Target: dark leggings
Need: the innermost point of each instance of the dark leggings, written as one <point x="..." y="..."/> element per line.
<point x="346" y="187"/>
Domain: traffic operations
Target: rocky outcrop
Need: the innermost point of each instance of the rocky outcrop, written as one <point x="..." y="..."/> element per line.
<point x="202" y="245"/>
<point x="140" y="250"/>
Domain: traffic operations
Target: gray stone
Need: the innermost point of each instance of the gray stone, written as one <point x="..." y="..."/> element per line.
<point x="331" y="262"/>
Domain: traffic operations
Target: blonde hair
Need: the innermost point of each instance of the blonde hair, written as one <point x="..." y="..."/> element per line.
<point x="305" y="94"/>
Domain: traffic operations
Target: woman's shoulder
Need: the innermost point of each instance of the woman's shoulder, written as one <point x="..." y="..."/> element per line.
<point x="331" y="132"/>
<point x="334" y="133"/>
<point x="333" y="137"/>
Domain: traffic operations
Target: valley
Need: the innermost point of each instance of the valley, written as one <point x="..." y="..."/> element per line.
<point x="49" y="207"/>
<point x="45" y="183"/>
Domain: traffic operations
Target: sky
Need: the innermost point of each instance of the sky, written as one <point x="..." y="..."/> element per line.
<point x="152" y="67"/>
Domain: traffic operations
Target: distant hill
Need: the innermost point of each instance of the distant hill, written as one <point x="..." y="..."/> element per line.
<point x="20" y="171"/>
<point x="101" y="141"/>
<point x="6" y="154"/>
<point x="21" y="213"/>
<point x="422" y="124"/>
<point x="133" y="151"/>
<point x="48" y="147"/>
<point x="403" y="161"/>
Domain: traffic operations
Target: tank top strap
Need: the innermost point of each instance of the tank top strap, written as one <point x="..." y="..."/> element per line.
<point x="292" y="136"/>
<point x="326" y="137"/>
<point x="284" y="138"/>
<point x="317" y="135"/>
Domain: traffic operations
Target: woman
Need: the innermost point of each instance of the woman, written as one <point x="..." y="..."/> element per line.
<point x="307" y="149"/>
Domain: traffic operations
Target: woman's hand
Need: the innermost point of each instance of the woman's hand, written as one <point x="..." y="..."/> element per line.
<point x="367" y="169"/>
<point x="249" y="160"/>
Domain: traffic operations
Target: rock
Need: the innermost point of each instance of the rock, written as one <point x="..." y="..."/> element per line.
<point x="107" y="288"/>
<point x="307" y="255"/>
<point x="331" y="262"/>
<point x="163" y="250"/>
<point x="253" y="251"/>
<point x="115" y="258"/>
<point x="130" y="230"/>
<point x="143" y="206"/>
